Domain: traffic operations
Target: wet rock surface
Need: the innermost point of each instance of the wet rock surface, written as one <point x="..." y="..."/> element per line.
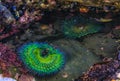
<point x="78" y="60"/>
<point x="101" y="44"/>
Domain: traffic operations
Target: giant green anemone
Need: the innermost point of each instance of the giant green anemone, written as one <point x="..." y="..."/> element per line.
<point x="77" y="26"/>
<point x="41" y="58"/>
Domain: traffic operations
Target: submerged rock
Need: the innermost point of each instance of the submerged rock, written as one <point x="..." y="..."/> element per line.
<point x="116" y="33"/>
<point x="101" y="45"/>
<point x="78" y="60"/>
<point x="6" y="14"/>
<point x="107" y="70"/>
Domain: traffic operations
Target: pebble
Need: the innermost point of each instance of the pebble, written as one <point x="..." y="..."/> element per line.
<point x="65" y="75"/>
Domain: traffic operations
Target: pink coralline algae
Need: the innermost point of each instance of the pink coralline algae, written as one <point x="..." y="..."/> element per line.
<point x="7" y="58"/>
<point x="9" y="29"/>
<point x="10" y="26"/>
<point x="101" y="71"/>
<point x="26" y="77"/>
<point x="6" y="55"/>
<point x="11" y="32"/>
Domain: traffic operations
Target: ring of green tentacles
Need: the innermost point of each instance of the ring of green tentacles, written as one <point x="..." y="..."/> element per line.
<point x="78" y="26"/>
<point x="41" y="58"/>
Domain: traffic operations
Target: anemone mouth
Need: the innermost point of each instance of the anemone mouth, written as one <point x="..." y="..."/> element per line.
<point x="43" y="53"/>
<point x="78" y="28"/>
<point x="41" y="58"/>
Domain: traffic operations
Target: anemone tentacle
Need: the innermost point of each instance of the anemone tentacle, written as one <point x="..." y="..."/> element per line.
<point x="41" y="58"/>
<point x="78" y="26"/>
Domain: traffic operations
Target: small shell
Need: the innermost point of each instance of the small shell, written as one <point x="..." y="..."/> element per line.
<point x="6" y="78"/>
